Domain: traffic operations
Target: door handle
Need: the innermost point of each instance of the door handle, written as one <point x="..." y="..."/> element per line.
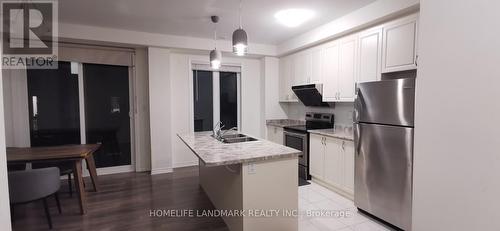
<point x="357" y="140"/>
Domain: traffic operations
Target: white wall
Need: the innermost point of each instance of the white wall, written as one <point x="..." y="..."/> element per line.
<point x="457" y="157"/>
<point x="4" y="187"/>
<point x="160" y="109"/>
<point x="181" y="95"/>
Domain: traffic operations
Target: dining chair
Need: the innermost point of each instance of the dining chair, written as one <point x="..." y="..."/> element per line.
<point x="65" y="169"/>
<point x="34" y="185"/>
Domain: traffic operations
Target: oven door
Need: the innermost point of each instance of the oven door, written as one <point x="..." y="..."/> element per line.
<point x="299" y="142"/>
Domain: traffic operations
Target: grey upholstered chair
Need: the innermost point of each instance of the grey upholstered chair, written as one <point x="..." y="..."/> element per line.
<point x="33" y="185"/>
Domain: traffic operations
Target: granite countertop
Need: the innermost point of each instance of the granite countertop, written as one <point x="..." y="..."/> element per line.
<point x="214" y="153"/>
<point x="340" y="133"/>
<point x="284" y="122"/>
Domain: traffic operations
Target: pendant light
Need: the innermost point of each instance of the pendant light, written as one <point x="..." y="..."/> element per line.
<point x="215" y="55"/>
<point x="240" y="39"/>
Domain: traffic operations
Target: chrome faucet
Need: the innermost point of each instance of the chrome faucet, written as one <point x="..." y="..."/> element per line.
<point x="217" y="130"/>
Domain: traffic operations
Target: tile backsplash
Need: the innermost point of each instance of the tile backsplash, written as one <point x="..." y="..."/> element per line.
<point x="342" y="111"/>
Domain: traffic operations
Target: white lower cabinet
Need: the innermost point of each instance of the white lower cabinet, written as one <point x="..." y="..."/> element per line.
<point x="316" y="156"/>
<point x="332" y="163"/>
<point x="275" y="134"/>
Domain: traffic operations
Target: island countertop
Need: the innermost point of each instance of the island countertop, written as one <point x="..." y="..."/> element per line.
<point x="214" y="153"/>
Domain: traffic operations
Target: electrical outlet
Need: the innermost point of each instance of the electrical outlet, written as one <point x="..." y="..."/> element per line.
<point x="251" y="168"/>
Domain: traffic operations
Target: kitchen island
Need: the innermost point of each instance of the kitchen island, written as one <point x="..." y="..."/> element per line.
<point x="259" y="178"/>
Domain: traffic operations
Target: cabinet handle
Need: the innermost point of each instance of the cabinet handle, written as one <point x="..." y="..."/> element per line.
<point x="343" y="146"/>
<point x="416" y="60"/>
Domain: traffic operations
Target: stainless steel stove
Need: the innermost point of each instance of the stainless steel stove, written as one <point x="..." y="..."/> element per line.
<point x="298" y="137"/>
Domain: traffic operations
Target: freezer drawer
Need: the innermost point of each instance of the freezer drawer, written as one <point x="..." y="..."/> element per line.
<point x="383" y="172"/>
<point x="389" y="102"/>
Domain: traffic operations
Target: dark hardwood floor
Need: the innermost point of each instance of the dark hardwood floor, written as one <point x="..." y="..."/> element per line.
<point x="124" y="203"/>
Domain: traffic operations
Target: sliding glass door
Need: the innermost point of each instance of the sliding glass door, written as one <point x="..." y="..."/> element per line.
<point x="53" y="103"/>
<point x="107" y="107"/>
<point x="82" y="103"/>
<point x="215" y="98"/>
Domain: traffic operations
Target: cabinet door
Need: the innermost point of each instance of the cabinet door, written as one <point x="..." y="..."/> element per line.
<point x="316" y="58"/>
<point x="399" y="47"/>
<point x="370" y="55"/>
<point x="302" y="65"/>
<point x="330" y="73"/>
<point x="316" y="156"/>
<point x="283" y="81"/>
<point x="286" y="79"/>
<point x="348" y="153"/>
<point x="333" y="162"/>
<point x="278" y="135"/>
<point x="270" y="133"/>
<point x="347" y="76"/>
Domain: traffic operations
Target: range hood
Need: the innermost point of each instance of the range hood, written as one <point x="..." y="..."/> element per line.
<point x="310" y="95"/>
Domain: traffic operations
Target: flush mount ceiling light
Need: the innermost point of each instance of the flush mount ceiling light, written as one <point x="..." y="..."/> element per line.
<point x="240" y="39"/>
<point x="215" y="55"/>
<point x="293" y="17"/>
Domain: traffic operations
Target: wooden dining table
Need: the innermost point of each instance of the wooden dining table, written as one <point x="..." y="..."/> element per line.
<point x="75" y="154"/>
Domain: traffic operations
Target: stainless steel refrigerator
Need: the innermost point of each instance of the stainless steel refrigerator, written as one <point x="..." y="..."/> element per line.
<point x="383" y="139"/>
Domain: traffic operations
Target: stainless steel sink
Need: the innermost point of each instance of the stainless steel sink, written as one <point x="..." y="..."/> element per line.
<point x="231" y="136"/>
<point x="238" y="139"/>
<point x="235" y="138"/>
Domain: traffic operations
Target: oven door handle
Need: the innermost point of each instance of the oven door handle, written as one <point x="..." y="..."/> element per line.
<point x="302" y="136"/>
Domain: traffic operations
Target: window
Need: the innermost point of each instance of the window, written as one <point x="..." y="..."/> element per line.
<point x="216" y="97"/>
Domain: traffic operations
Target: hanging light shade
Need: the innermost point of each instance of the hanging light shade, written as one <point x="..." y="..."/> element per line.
<point x="240" y="39"/>
<point x="240" y="42"/>
<point x="215" y="55"/>
<point x="215" y="58"/>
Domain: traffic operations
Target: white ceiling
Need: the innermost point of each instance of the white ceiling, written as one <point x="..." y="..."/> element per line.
<point x="191" y="17"/>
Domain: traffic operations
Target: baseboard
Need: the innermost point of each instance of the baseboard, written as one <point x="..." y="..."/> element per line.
<point x="186" y="164"/>
<point x="161" y="170"/>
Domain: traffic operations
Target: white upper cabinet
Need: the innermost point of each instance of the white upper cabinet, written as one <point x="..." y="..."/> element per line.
<point x="287" y="79"/>
<point x="370" y="55"/>
<point x="357" y="58"/>
<point x="339" y="69"/>
<point x="347" y="76"/>
<point x="302" y="67"/>
<point x="300" y="63"/>
<point x="316" y="65"/>
<point x="330" y="71"/>
<point x="400" y="45"/>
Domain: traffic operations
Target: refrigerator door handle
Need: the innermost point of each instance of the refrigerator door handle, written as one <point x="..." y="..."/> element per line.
<point x="357" y="141"/>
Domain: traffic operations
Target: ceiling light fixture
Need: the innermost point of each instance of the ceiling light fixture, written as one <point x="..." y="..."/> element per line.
<point x="293" y="17"/>
<point x="240" y="39"/>
<point x="215" y="55"/>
